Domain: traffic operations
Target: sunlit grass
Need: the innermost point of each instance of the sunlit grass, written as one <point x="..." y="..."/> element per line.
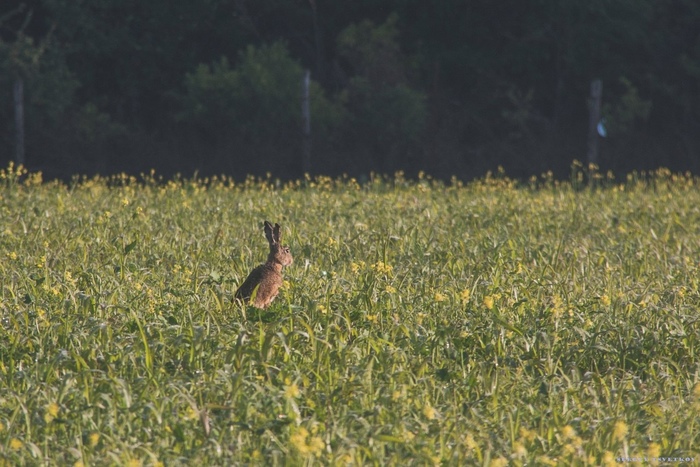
<point x="546" y="323"/>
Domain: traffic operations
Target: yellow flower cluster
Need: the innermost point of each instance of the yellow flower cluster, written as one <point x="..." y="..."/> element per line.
<point x="574" y="443"/>
<point x="620" y="430"/>
<point x="429" y="411"/>
<point x="356" y="267"/>
<point x="291" y="391"/>
<point x="93" y="439"/>
<point x="382" y="268"/>
<point x="305" y="443"/>
<point x="439" y="297"/>
<point x="51" y="412"/>
<point x="12" y="173"/>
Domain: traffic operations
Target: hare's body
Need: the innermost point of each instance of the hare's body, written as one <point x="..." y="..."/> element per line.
<point x="263" y="282"/>
<point x="268" y="280"/>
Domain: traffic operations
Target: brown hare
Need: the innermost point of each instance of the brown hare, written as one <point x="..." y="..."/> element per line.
<point x="263" y="282"/>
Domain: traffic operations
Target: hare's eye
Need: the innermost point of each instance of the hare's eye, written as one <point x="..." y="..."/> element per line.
<point x="286" y="249"/>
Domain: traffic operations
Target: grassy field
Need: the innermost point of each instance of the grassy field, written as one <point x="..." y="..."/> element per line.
<point x="488" y="323"/>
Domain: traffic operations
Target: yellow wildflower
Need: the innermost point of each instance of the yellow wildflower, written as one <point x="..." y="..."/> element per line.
<point x="291" y="391"/>
<point x="519" y="450"/>
<point x="191" y="413"/>
<point x="304" y="444"/>
<point x="568" y="432"/>
<point x="382" y="267"/>
<point x="429" y="411"/>
<point x="470" y="442"/>
<point x="527" y="435"/>
<point x="51" y="412"/>
<point x="609" y="459"/>
<point x="355" y="267"/>
<point x="569" y="449"/>
<point x="620" y="430"/>
<point x="654" y="450"/>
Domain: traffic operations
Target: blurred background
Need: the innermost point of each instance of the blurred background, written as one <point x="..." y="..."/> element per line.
<point x="453" y="87"/>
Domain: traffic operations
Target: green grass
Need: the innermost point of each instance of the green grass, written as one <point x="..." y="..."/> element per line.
<point x="489" y="323"/>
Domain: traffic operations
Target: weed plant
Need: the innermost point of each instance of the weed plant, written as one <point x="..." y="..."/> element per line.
<point x="487" y="323"/>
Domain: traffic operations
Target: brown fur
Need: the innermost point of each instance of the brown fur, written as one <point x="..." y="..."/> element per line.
<point x="266" y="277"/>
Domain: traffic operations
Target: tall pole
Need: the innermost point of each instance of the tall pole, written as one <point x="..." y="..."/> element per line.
<point x="317" y="40"/>
<point x="305" y="124"/>
<point x="18" y="93"/>
<point x="593" y="120"/>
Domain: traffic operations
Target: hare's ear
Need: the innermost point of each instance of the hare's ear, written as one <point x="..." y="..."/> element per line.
<point x="269" y="234"/>
<point x="276" y="233"/>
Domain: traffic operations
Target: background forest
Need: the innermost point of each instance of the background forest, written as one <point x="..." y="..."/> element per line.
<point x="454" y="87"/>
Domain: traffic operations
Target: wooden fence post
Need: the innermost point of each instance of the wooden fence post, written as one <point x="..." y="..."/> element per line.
<point x="18" y="93"/>
<point x="594" y="119"/>
<point x="305" y="123"/>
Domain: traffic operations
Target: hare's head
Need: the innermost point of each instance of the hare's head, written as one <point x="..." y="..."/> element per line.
<point x="279" y="253"/>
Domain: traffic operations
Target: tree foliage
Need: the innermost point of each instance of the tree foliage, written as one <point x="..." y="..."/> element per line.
<point x="456" y="86"/>
<point x="253" y="106"/>
<point x="386" y="116"/>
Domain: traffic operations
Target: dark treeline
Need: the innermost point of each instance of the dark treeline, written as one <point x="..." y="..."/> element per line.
<point x="452" y="87"/>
